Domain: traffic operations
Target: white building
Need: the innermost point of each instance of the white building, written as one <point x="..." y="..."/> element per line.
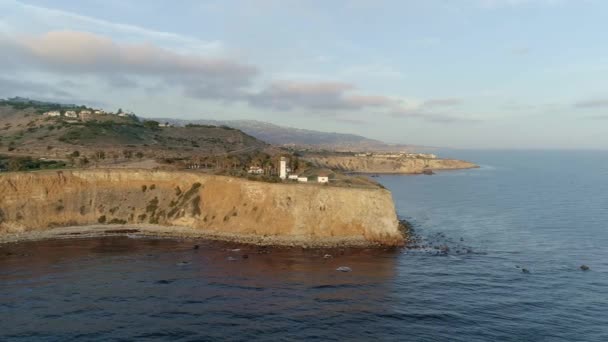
<point x="293" y="177"/>
<point x="99" y="112"/>
<point x="283" y="168"/>
<point x="70" y="114"/>
<point x="256" y="170"/>
<point x="52" y="113"/>
<point x="323" y="179"/>
<point x="303" y="179"/>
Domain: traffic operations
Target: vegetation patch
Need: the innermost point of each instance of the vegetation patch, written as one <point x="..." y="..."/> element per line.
<point x="11" y="163"/>
<point x="152" y="205"/>
<point x="102" y="219"/>
<point x="196" y="210"/>
<point x="188" y="194"/>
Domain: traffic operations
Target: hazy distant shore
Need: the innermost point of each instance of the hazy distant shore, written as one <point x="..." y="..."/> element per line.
<point x="383" y="165"/>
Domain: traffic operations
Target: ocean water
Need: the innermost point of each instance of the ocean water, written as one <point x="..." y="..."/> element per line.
<point x="461" y="280"/>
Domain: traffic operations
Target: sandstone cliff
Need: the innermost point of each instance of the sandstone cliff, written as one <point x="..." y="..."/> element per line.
<point x="304" y="214"/>
<point x="387" y="165"/>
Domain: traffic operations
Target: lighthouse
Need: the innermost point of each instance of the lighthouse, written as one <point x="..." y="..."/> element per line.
<point x="283" y="168"/>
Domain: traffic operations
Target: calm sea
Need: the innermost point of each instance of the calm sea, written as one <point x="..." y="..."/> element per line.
<point x="463" y="280"/>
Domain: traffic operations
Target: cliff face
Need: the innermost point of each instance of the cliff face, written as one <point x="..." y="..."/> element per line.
<point x="42" y="200"/>
<point x="388" y="165"/>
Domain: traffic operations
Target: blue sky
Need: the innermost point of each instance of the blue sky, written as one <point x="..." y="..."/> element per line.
<point x="466" y="73"/>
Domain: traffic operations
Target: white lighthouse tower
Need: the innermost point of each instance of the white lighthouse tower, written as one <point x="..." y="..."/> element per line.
<point x="283" y="168"/>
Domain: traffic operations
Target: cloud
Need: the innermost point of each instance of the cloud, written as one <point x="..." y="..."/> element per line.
<point x="337" y="97"/>
<point x="11" y="87"/>
<point x="443" y="102"/>
<point x="421" y="113"/>
<point x="156" y="69"/>
<point x="594" y="103"/>
<point x="44" y="91"/>
<point x="43" y="19"/>
<point x="286" y="95"/>
<point x="87" y="53"/>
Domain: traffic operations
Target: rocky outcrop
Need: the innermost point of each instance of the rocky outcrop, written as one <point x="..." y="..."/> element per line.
<point x="300" y="213"/>
<point x="388" y="165"/>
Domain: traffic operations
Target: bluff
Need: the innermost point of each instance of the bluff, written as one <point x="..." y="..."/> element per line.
<point x="303" y="214"/>
<point x="387" y="165"/>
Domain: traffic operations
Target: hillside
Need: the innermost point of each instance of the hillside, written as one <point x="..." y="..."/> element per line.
<point x="26" y="131"/>
<point x="301" y="138"/>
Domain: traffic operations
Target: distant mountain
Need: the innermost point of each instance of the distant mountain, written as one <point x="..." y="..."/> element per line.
<point x="304" y="138"/>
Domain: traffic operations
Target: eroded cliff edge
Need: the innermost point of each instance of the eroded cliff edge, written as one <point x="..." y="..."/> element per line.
<point x="292" y="213"/>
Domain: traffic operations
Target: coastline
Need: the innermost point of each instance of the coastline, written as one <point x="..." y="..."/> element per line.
<point x="177" y="232"/>
<point x="417" y="173"/>
<point x="381" y="165"/>
<point x="191" y="205"/>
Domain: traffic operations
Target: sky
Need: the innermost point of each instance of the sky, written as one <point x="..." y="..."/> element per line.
<point x="523" y="74"/>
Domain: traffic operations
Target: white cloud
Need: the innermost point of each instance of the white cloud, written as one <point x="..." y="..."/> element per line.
<point x="17" y="17"/>
<point x="86" y="53"/>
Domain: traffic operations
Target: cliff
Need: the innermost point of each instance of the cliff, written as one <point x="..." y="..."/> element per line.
<point x="294" y="213"/>
<point x="387" y="165"/>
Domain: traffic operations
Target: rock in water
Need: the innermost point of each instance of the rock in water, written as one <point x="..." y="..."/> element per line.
<point x="344" y="269"/>
<point x="584" y="267"/>
<point x="525" y="270"/>
<point x="231" y="259"/>
<point x="196" y="247"/>
<point x="327" y="256"/>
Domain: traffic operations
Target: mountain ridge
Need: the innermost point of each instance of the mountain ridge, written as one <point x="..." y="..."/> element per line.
<point x="300" y="137"/>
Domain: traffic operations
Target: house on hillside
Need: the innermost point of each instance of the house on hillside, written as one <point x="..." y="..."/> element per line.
<point x="292" y="177"/>
<point x="302" y="179"/>
<point x="85" y="114"/>
<point x="323" y="179"/>
<point x="71" y="114"/>
<point x="99" y="112"/>
<point x="52" y="113"/>
<point x="255" y="170"/>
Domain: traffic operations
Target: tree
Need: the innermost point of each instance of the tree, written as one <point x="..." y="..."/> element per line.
<point x="151" y="124"/>
<point x="119" y="111"/>
<point x="16" y="164"/>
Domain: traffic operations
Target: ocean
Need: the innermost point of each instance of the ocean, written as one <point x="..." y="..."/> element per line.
<point x="497" y="257"/>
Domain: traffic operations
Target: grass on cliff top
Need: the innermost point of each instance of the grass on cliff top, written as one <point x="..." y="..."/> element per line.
<point x="10" y="163"/>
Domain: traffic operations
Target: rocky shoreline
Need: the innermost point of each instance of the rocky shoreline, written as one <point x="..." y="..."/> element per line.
<point x="175" y="232"/>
